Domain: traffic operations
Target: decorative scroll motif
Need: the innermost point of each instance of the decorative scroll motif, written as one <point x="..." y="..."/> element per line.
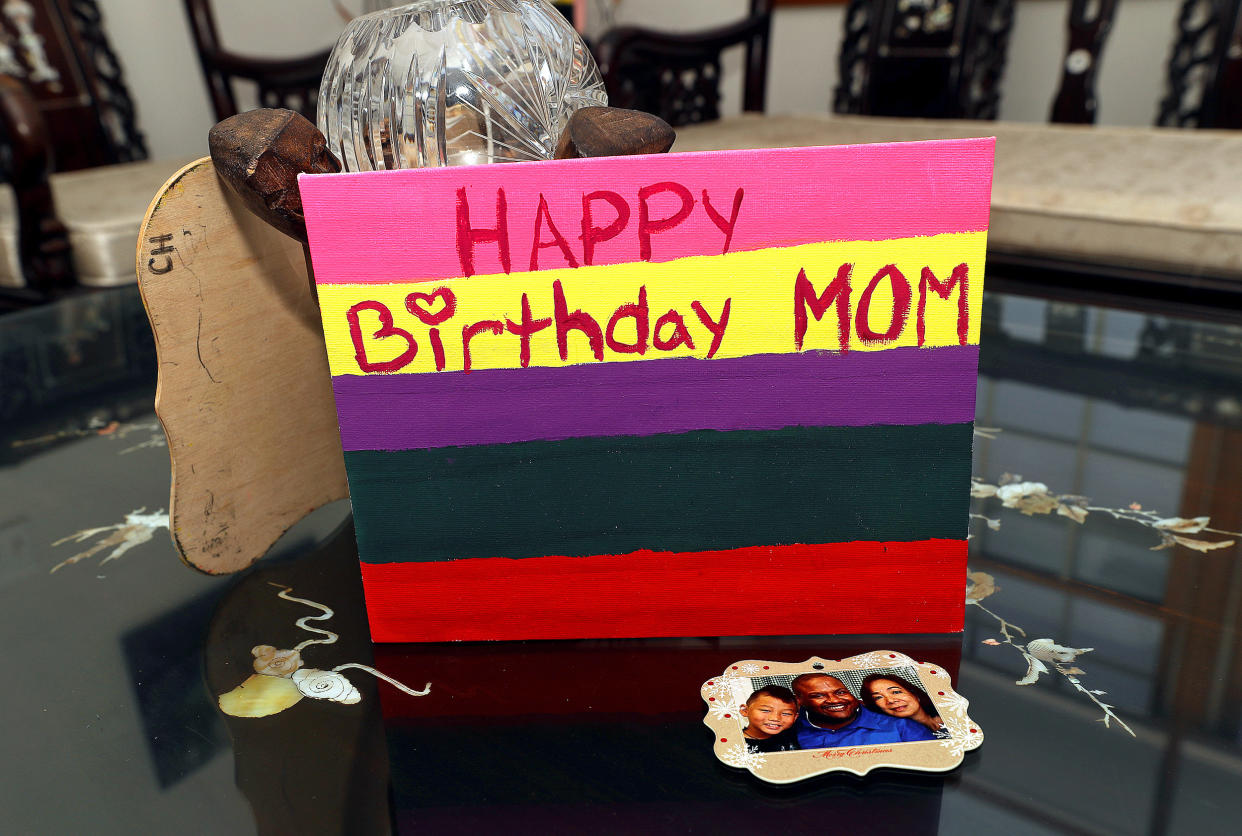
<point x="21" y="15"/>
<point x="987" y="46"/>
<point x="9" y="65"/>
<point x="116" y="108"/>
<point x="1205" y="68"/>
<point x="677" y="76"/>
<point x="682" y="94"/>
<point x="853" y="58"/>
<point x="923" y="22"/>
<point x="908" y="42"/>
<point x="24" y="54"/>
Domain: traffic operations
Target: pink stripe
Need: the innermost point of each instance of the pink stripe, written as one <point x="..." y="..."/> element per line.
<point x="376" y="227"/>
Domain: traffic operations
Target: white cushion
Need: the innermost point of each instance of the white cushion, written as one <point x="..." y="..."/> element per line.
<point x="1161" y="198"/>
<point x="102" y="208"/>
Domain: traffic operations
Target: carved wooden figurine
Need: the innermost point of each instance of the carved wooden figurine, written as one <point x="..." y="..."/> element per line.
<point x="244" y="389"/>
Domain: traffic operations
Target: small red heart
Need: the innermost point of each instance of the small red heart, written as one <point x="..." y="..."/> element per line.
<point x="422" y="305"/>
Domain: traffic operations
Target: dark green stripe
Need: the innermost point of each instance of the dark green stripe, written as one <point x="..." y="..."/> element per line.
<point x="689" y="492"/>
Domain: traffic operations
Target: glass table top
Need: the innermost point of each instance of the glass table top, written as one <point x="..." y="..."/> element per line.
<point x="1103" y="437"/>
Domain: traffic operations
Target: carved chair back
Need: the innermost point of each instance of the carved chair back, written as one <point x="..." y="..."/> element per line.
<point x="42" y="245"/>
<point x="1203" y="77"/>
<point x="923" y="58"/>
<point x="677" y="76"/>
<point x="64" y="106"/>
<point x="940" y="58"/>
<point x="59" y="50"/>
<point x="291" y="83"/>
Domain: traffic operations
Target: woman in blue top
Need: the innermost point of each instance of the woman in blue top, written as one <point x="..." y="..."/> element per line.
<point x="898" y="697"/>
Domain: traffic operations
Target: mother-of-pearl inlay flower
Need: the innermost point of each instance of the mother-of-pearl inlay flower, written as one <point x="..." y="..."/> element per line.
<point x="280" y="681"/>
<point x="272" y="662"/>
<point x="326" y="685"/>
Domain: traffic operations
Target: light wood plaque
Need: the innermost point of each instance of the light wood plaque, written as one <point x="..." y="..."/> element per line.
<point x="244" y="392"/>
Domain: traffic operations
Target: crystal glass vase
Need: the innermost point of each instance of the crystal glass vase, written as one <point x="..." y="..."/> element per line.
<point x="454" y="82"/>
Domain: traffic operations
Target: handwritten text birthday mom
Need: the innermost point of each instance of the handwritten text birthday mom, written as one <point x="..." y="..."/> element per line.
<point x="387" y="339"/>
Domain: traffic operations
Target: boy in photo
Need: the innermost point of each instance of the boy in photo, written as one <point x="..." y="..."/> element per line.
<point x="770" y="713"/>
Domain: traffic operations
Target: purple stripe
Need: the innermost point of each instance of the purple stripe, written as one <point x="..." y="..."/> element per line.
<point x="761" y="392"/>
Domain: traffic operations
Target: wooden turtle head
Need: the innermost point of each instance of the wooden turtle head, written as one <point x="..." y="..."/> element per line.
<point x="260" y="154"/>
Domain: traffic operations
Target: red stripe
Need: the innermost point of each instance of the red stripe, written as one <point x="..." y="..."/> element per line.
<point x="860" y="587"/>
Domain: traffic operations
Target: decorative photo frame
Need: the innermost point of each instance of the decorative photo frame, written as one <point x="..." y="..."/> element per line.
<point x="752" y="691"/>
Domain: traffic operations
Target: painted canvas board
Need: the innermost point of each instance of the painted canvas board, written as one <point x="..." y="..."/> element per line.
<point x="723" y="393"/>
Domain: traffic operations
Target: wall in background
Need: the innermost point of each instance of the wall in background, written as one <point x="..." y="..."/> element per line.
<point x="155" y="48"/>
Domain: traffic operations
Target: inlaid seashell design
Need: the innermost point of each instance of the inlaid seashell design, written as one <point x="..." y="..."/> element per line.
<point x="260" y="696"/>
<point x="280" y="681"/>
<point x="272" y="662"/>
<point x="1046" y="650"/>
<point x="326" y="685"/>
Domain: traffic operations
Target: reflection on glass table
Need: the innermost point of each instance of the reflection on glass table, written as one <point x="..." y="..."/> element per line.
<point x="1105" y="435"/>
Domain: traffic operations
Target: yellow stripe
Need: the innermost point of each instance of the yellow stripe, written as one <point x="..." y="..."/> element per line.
<point x="760" y="285"/>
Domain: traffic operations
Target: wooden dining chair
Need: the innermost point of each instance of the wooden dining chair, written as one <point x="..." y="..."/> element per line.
<point x="291" y="83"/>
<point x="676" y="76"/>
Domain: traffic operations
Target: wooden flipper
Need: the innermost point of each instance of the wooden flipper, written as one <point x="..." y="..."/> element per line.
<point x="244" y="394"/>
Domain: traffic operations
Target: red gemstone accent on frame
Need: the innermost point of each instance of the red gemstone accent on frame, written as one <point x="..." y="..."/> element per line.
<point x="735" y="667"/>
<point x="974" y="731"/>
<point x="941" y="693"/>
<point x="892" y="655"/>
<point x="724" y="740"/>
<point x="933" y="673"/>
<point x="711" y="683"/>
<point x="727" y="716"/>
<point x="765" y="667"/>
<point x="711" y="699"/>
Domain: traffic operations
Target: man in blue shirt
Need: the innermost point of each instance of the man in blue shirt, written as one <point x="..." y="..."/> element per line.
<point x="832" y="717"/>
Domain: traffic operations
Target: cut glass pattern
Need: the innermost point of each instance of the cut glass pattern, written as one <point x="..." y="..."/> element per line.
<point x="454" y="82"/>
